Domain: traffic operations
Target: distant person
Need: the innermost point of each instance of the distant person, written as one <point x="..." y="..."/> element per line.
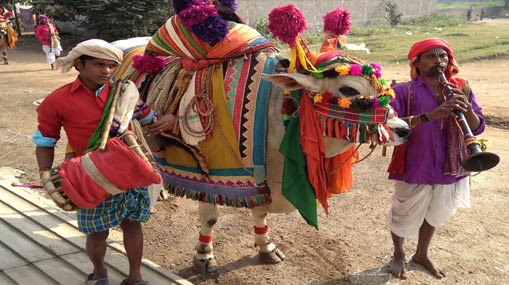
<point x="429" y="182"/>
<point x="47" y="33"/>
<point x="469" y="13"/>
<point x="5" y="16"/>
<point x="482" y="14"/>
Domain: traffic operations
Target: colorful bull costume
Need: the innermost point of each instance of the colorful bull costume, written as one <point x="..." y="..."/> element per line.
<point x="230" y="145"/>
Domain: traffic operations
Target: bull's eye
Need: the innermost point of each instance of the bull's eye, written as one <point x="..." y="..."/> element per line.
<point x="349" y="91"/>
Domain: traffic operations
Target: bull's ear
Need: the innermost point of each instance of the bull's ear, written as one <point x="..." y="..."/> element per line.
<point x="294" y="81"/>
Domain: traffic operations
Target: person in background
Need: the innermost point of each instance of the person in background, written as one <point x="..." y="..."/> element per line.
<point x="482" y="14"/>
<point x="429" y="182"/>
<point x="469" y="13"/>
<point x="47" y="33"/>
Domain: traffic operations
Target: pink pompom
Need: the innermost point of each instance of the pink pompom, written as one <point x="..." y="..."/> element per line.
<point x="148" y="64"/>
<point x="9" y="14"/>
<point x="286" y="23"/>
<point x="337" y="22"/>
<point x="355" y="69"/>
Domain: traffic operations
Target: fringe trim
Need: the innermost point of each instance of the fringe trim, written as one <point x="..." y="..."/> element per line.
<point x="237" y="202"/>
<point x="374" y="133"/>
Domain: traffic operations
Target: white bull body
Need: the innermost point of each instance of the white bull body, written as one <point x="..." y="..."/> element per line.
<point x="208" y="212"/>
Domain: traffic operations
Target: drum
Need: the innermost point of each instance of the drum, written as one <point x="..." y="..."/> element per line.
<point x="86" y="181"/>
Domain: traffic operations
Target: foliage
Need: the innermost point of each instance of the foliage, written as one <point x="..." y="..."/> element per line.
<point x="111" y="19"/>
<point x="260" y="25"/>
<point x="118" y="19"/>
<point x="393" y="16"/>
<point x="60" y="10"/>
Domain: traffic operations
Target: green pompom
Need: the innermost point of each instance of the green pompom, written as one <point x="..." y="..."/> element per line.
<point x="384" y="101"/>
<point x="318" y="75"/>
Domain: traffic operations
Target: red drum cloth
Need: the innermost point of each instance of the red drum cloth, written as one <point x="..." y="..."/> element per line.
<point x="120" y="165"/>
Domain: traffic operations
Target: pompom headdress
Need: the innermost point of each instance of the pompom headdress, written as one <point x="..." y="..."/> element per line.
<point x="287" y="23"/>
<point x="201" y="17"/>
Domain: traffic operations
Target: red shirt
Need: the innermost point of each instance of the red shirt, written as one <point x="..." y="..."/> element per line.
<point x="43" y="33"/>
<point x="77" y="109"/>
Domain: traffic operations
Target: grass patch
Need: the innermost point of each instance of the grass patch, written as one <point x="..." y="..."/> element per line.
<point x="468" y="4"/>
<point x="470" y="41"/>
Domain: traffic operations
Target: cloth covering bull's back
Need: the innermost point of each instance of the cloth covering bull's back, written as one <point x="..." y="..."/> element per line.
<point x="217" y="153"/>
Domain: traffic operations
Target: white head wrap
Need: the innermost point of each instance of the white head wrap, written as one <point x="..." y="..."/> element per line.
<point x="95" y="48"/>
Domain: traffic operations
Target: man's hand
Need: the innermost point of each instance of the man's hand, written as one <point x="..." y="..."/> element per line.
<point x="55" y="193"/>
<point x="161" y="124"/>
<point x="458" y="101"/>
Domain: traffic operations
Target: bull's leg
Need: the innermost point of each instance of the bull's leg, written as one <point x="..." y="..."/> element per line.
<point x="268" y="251"/>
<point x="204" y="260"/>
<point x="4" y="57"/>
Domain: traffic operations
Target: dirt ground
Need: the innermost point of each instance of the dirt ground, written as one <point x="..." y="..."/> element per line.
<point x="353" y="244"/>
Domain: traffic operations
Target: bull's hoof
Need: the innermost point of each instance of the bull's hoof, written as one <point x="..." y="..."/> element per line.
<point x="208" y="265"/>
<point x="273" y="257"/>
<point x="6" y="62"/>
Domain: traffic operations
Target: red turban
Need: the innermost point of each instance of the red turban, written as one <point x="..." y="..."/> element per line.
<point x="427" y="44"/>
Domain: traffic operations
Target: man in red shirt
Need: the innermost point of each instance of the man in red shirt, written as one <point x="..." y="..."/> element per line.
<point x="78" y="107"/>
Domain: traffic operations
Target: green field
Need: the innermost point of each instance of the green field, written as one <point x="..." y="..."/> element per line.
<point x="471" y="41"/>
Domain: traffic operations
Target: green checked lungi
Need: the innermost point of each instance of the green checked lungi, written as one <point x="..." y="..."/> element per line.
<point x="133" y="204"/>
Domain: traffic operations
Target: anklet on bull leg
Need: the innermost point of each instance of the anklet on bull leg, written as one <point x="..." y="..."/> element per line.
<point x="268" y="251"/>
<point x="205" y="260"/>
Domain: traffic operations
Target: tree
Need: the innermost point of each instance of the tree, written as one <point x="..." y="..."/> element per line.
<point x="120" y="19"/>
<point x="60" y="10"/>
<point x="110" y="19"/>
<point x="393" y="16"/>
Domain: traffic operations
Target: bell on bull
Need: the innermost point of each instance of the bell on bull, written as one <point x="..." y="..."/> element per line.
<point x="225" y="147"/>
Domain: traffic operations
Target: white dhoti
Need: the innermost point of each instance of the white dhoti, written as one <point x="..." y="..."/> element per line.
<point x="51" y="53"/>
<point x="413" y="203"/>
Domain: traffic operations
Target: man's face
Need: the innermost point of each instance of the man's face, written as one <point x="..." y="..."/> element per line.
<point x="96" y="72"/>
<point x="428" y="61"/>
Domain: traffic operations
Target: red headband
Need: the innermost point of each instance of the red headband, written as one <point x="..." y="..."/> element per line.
<point x="427" y="44"/>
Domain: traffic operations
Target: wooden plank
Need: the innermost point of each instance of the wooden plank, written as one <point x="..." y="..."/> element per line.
<point x="9" y="259"/>
<point x="150" y="271"/>
<point x="59" y="223"/>
<point x="81" y="261"/>
<point x="4" y="280"/>
<point x="62" y="225"/>
<point x="22" y="245"/>
<point x="38" y="233"/>
<point x="28" y="275"/>
<point x="61" y="271"/>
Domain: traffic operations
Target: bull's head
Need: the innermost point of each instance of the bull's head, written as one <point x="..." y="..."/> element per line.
<point x="339" y="85"/>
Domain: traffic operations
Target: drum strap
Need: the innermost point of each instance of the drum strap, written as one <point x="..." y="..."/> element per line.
<point x="97" y="176"/>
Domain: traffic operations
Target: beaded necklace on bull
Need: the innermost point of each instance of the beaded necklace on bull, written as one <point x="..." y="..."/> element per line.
<point x="354" y="120"/>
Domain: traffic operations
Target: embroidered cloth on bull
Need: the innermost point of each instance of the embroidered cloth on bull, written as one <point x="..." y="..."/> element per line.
<point x="228" y="74"/>
<point x="353" y="125"/>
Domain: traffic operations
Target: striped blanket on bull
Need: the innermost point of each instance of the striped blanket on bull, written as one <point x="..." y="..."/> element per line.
<point x="218" y="148"/>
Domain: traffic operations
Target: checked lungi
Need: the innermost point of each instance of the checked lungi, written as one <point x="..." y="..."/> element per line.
<point x="133" y="204"/>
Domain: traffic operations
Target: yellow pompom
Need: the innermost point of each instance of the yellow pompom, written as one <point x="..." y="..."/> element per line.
<point x="343" y="69"/>
<point x="344" y="103"/>
<point x="317" y="98"/>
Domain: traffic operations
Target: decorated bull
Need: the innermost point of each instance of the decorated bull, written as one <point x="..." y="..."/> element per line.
<point x="254" y="129"/>
<point x="8" y="38"/>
